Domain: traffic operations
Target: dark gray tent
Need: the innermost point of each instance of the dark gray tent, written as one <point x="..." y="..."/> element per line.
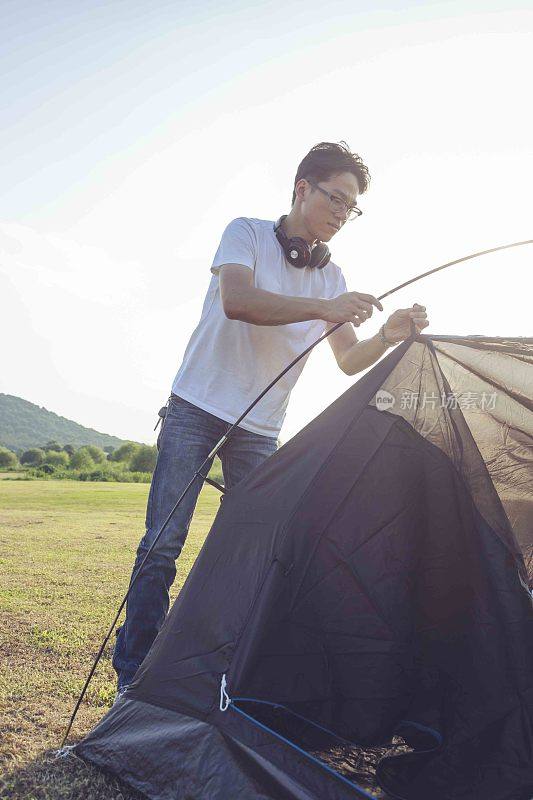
<point x="367" y="580"/>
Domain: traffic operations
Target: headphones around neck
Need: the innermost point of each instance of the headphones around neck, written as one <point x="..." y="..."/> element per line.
<point x="298" y="252"/>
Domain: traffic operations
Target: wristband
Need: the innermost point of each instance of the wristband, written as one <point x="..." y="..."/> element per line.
<point x="384" y="338"/>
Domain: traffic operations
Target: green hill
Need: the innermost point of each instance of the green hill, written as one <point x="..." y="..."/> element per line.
<point x="24" y="424"/>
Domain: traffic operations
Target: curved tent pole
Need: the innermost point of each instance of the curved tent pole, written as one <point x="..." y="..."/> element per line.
<point x="199" y="474"/>
<point x="451" y="264"/>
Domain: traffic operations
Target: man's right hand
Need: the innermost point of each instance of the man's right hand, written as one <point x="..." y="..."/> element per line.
<point x="353" y="307"/>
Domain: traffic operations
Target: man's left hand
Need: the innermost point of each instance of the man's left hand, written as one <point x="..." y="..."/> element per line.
<point x="398" y="326"/>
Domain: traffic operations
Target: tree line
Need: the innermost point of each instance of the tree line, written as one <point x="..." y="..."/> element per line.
<point x="128" y="462"/>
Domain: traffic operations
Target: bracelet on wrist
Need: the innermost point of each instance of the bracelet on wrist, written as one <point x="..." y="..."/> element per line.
<point x="384" y="339"/>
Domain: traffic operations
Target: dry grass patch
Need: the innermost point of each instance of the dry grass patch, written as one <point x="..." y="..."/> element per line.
<point x="66" y="551"/>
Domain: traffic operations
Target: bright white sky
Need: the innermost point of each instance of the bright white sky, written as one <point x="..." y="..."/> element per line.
<point x="133" y="131"/>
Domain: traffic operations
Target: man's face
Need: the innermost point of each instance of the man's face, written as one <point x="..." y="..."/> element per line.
<point x="320" y="218"/>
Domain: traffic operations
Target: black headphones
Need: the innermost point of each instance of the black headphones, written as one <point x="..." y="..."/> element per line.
<point x="298" y="252"/>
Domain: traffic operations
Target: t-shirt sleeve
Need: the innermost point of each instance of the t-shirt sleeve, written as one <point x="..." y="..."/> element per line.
<point x="339" y="287"/>
<point x="237" y="246"/>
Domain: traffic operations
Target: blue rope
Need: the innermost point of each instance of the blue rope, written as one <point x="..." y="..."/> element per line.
<point x="416" y="725"/>
<point x="295" y="714"/>
<point x="317" y="761"/>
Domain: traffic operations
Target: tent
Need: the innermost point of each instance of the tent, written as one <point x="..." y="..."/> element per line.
<point x="369" y="579"/>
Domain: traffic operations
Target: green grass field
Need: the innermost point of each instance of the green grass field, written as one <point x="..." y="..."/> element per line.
<point x="66" y="552"/>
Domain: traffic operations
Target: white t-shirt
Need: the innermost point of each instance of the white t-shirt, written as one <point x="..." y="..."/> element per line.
<point x="227" y="362"/>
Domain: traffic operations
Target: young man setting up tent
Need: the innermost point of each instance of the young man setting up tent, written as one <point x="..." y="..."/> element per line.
<point x="371" y="580"/>
<point x="273" y="291"/>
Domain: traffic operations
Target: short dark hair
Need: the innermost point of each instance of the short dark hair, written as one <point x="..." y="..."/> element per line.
<point x="327" y="159"/>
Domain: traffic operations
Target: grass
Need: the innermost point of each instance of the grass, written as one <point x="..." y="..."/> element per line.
<point x="66" y="551"/>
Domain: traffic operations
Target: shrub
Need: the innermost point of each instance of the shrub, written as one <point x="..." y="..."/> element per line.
<point x="96" y="453"/>
<point x="116" y="475"/>
<point x="137" y="477"/>
<point x="47" y="469"/>
<point x="144" y="459"/>
<point x="8" y="458"/>
<point x="125" y="452"/>
<point x="102" y="473"/>
<point x="98" y="475"/>
<point x="58" y="459"/>
<point x="81" y="459"/>
<point x="68" y="448"/>
<point x="48" y="472"/>
<point x="32" y="457"/>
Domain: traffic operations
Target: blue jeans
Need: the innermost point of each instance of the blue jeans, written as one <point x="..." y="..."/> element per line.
<point x="187" y="437"/>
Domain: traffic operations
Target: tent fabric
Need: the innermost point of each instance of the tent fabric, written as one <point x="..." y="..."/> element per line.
<point x="370" y="578"/>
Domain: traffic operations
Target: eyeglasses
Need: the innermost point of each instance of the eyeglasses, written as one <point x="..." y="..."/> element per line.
<point x="337" y="204"/>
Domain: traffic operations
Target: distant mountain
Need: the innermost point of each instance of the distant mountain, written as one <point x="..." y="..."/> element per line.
<point x="24" y="424"/>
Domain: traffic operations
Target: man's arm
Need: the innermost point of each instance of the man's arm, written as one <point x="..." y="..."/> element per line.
<point x="353" y="356"/>
<point x="243" y="301"/>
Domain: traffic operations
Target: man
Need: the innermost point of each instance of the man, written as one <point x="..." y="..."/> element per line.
<point x="262" y="309"/>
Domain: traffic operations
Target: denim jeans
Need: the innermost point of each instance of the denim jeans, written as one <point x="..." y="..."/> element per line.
<point x="187" y="437"/>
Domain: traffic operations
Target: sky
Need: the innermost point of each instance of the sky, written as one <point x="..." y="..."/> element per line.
<point x="132" y="132"/>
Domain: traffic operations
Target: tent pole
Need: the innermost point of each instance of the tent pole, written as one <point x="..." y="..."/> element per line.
<point x="220" y="444"/>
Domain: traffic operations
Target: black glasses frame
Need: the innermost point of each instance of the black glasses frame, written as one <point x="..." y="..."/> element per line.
<point x="338" y="204"/>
